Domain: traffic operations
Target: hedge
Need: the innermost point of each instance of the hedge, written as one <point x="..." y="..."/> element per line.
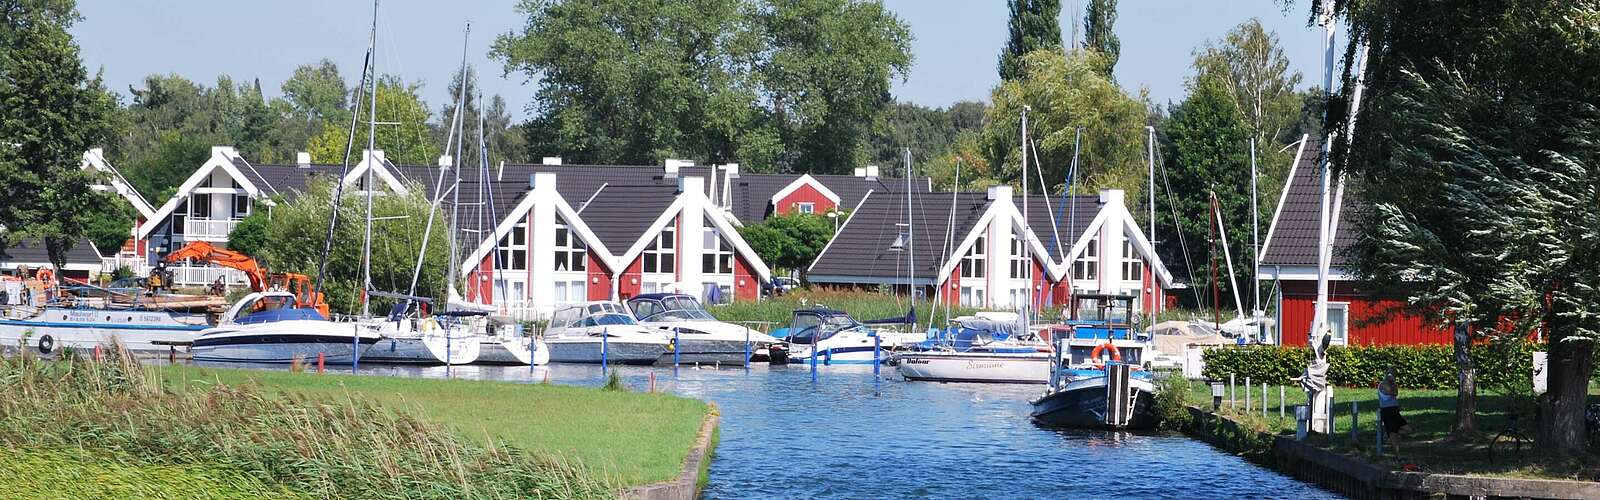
<point x="1503" y="366"/>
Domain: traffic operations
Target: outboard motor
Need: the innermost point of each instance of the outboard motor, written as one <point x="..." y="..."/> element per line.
<point x="778" y="354"/>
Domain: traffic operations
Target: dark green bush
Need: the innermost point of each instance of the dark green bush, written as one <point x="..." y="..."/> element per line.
<point x="1503" y="365"/>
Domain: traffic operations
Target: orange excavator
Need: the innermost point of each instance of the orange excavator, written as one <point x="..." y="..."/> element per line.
<point x="305" y="294"/>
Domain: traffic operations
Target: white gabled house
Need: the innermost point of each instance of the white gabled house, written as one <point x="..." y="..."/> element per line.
<point x="131" y="255"/>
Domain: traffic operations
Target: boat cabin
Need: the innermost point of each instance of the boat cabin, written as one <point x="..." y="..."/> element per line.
<point x="668" y="307"/>
<point x="818" y="324"/>
<point x="598" y="313"/>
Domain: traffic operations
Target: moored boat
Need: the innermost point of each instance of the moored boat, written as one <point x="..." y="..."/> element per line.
<point x="832" y="337"/>
<point x="601" y="331"/>
<point x="1086" y="389"/>
<point x="51" y="328"/>
<point x="978" y="349"/>
<point x="697" y="336"/>
<point x="266" y="327"/>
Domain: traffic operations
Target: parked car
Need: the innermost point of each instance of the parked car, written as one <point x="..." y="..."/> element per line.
<point x="783" y="284"/>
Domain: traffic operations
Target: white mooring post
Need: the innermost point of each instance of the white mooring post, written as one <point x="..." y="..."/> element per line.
<point x="1264" y="400"/>
<point x="1247" y="394"/>
<point x="1233" y="393"/>
<point x="1280" y="402"/>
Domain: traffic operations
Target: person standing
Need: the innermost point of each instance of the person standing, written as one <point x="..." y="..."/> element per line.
<point x="1393" y="423"/>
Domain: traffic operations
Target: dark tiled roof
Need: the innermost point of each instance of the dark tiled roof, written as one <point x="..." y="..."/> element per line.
<point x="620" y="215"/>
<point x="1070" y="220"/>
<point x="862" y="247"/>
<point x="1294" y="239"/>
<point x="33" y="252"/>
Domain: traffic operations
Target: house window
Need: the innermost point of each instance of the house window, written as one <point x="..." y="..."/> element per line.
<point x="717" y="256"/>
<point x="241" y="206"/>
<point x="511" y="291"/>
<point x="513" y="252"/>
<point x="972" y="296"/>
<point x="571" y="253"/>
<point x="660" y="256"/>
<point x="1339" y="322"/>
<point x="1132" y="264"/>
<point x="571" y="292"/>
<point x="1020" y="270"/>
<point x="180" y="217"/>
<point x="805" y="207"/>
<point x="972" y="263"/>
<point x="1087" y="267"/>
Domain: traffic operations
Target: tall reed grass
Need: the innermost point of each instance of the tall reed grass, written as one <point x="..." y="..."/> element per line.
<point x="329" y="448"/>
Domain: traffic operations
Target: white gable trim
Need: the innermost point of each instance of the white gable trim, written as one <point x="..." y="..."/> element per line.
<point x="804" y="180"/>
<point x="520" y="212"/>
<point x="954" y="259"/>
<point x="835" y="237"/>
<point x="95" y="159"/>
<point x="1040" y="253"/>
<point x="1283" y="196"/>
<point x="378" y="170"/>
<point x="1089" y="233"/>
<point x="221" y="157"/>
<point x="720" y="220"/>
<point x="1142" y="245"/>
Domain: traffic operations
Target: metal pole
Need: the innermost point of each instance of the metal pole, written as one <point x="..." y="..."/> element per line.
<point x="1150" y="152"/>
<point x="1280" y="402"/>
<point x="1233" y="393"/>
<point x="1263" y="400"/>
<point x="605" y="348"/>
<point x="1255" y="242"/>
<point x="813" y="358"/>
<point x="677" y="346"/>
<point x="747" y="348"/>
<point x="876" y="349"/>
<point x="1247" y="394"/>
<point x="1355" y="420"/>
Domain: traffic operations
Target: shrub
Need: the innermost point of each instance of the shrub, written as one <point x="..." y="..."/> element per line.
<point x="1172" y="405"/>
<point x="1503" y="366"/>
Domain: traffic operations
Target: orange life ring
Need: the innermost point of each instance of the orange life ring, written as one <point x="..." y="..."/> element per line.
<point x="1116" y="355"/>
<point x="46" y="276"/>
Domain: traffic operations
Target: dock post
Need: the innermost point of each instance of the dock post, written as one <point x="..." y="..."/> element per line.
<point x="1280" y="402"/>
<point x="1247" y="394"/>
<point x="1233" y="393"/>
<point x="1263" y="400"/>
<point x="605" y="347"/>
<point x="533" y="349"/>
<point x="877" y="345"/>
<point x="813" y="359"/>
<point x="172" y="354"/>
<point x="321" y="357"/>
<point x="1355" y="421"/>
<point x="677" y="346"/>
<point x="747" y="348"/>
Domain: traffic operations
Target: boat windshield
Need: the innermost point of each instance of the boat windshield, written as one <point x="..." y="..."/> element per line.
<point x="809" y="327"/>
<point x="607" y="319"/>
<point x="682" y="308"/>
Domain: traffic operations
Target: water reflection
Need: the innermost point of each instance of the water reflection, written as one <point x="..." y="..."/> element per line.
<point x="850" y="434"/>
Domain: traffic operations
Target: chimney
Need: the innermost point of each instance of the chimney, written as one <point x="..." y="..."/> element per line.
<point x="542" y="181"/>
<point x="732" y="169"/>
<point x="687" y="184"/>
<point x="446" y="161"/>
<point x="861" y="172"/>
<point x="1111" y="197"/>
<point x="997" y="193"/>
<point x="302" y="159"/>
<point x="551" y="160"/>
<point x="872" y="172"/>
<point x="97" y="152"/>
<point x="673" y="166"/>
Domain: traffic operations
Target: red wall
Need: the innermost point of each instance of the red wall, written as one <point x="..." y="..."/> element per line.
<point x="952" y="291"/>
<point x="628" y="284"/>
<point x="805" y="193"/>
<point x="599" y="283"/>
<point x="745" y="285"/>
<point x="479" y="289"/>
<point x="1374" y="320"/>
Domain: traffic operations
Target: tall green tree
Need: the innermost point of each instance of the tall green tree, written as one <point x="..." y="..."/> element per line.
<point x="506" y="141"/>
<point x="1205" y="151"/>
<point x="1099" y="35"/>
<point x="1034" y="25"/>
<point x="1066" y="93"/>
<point x="51" y="111"/>
<point x="1478" y="157"/>
<point x="403" y="133"/>
<point x="929" y="132"/>
<point x="1249" y="62"/>
<point x="316" y="92"/>
<point x="828" y="73"/>
<point x="790" y="241"/>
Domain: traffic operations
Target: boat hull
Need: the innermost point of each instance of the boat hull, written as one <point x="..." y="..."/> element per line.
<point x="708" y="351"/>
<point x="995" y="368"/>
<point x="495" y="351"/>
<point x="589" y="350"/>
<point x="849" y="355"/>
<point x="424" y="349"/>
<point x="1082" y="404"/>
<point x="283" y="342"/>
<point x="86" y="328"/>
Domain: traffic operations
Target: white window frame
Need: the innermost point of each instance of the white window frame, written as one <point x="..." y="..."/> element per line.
<point x="662" y="254"/>
<point x="1018" y="262"/>
<point x="513" y="252"/>
<point x="1086" y="268"/>
<point x="1132" y="263"/>
<point x="805" y="207"/>
<point x="1340" y="326"/>
<point x="571" y="291"/>
<point x="572" y="252"/>
<point x="974" y="265"/>
<point x="719" y="251"/>
<point x="972" y="296"/>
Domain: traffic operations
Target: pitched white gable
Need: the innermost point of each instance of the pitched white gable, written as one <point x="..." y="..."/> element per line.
<point x="221" y="159"/>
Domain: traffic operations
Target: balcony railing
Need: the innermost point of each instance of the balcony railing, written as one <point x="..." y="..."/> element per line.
<point x="205" y="275"/>
<point x="133" y="262"/>
<point x="208" y="229"/>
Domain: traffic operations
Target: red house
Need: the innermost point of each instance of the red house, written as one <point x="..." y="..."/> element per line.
<point x="1357" y="314"/>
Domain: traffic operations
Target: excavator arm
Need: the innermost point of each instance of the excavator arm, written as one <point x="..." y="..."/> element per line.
<point x="298" y="284"/>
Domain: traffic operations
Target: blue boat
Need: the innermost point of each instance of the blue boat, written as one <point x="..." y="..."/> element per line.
<point x="1086" y="389"/>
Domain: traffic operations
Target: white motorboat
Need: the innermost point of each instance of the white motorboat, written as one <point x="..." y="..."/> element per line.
<point x="51" y="328"/>
<point x="508" y="346"/>
<point x="408" y="338"/>
<point x="832" y="337"/>
<point x="978" y="349"/>
<point x="266" y="327"/>
<point x="698" y="336"/>
<point x="601" y="331"/>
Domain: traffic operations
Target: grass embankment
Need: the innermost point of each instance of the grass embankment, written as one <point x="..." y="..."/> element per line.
<point x="121" y="429"/>
<point x="1430" y="412"/>
<point x="634" y="438"/>
<point x="774" y="312"/>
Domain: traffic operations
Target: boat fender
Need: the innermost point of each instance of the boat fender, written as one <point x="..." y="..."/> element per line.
<point x="46" y="344"/>
<point x="1094" y="355"/>
<point x="429" y="325"/>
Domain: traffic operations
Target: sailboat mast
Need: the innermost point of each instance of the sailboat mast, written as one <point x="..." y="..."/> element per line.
<point x="1027" y="261"/>
<point x="911" y="246"/>
<point x="455" y="167"/>
<point x="1255" y="239"/>
<point x="433" y="208"/>
<point x="372" y="129"/>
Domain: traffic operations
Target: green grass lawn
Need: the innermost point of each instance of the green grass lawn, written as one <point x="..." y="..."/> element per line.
<point x="636" y="438"/>
<point x="1431" y="413"/>
<point x="77" y="473"/>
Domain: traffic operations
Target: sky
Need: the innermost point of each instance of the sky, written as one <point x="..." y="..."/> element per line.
<point x="955" y="48"/>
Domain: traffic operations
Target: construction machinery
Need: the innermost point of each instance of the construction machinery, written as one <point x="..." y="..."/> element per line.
<point x="305" y="293"/>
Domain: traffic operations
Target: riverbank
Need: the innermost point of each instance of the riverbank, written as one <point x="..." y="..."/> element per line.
<point x="131" y="430"/>
<point x="1429" y="448"/>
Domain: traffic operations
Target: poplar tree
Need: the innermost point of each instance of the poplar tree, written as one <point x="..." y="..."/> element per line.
<point x="1099" y="36"/>
<point x="1034" y="25"/>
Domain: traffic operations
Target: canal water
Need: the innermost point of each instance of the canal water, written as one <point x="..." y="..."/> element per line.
<point x="850" y="434"/>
